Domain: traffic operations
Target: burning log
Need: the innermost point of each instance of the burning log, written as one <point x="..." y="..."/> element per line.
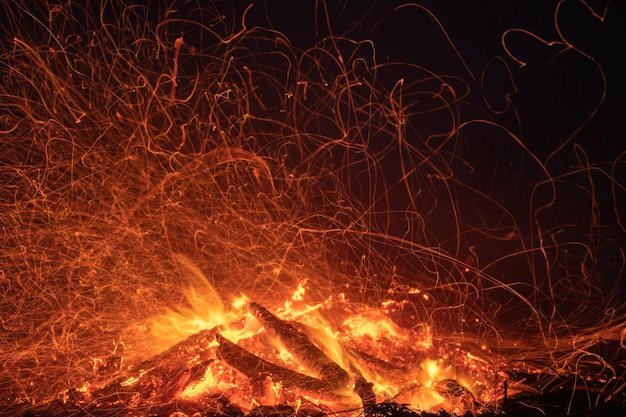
<point x="301" y="347"/>
<point x="313" y="358"/>
<point x="253" y="367"/>
<point x="332" y="378"/>
<point x="158" y="380"/>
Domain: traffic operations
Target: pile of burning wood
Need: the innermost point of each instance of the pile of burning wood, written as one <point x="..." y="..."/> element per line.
<point x="279" y="372"/>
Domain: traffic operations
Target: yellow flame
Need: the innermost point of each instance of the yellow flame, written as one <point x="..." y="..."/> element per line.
<point x="240" y="302"/>
<point x="432" y="369"/>
<point x="204" y="308"/>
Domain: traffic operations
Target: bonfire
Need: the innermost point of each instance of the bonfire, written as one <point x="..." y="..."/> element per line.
<point x="203" y="216"/>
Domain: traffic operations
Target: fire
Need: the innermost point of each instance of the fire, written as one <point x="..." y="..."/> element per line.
<point x="330" y="353"/>
<point x="202" y="214"/>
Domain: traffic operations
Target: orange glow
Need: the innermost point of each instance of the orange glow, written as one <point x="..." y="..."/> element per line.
<point x="197" y="210"/>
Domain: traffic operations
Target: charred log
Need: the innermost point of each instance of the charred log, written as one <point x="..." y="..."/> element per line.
<point x="195" y="346"/>
<point x="301" y="347"/>
<point x="253" y="367"/>
<point x="160" y="378"/>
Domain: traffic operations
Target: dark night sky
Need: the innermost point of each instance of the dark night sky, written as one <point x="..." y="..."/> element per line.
<point x="557" y="89"/>
<point x="553" y="98"/>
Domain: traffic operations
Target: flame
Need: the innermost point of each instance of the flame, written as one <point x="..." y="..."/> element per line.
<point x="365" y="343"/>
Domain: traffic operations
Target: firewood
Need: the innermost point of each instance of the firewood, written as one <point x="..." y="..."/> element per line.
<point x="253" y="367"/>
<point x="160" y="378"/>
<point x="301" y="347"/>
